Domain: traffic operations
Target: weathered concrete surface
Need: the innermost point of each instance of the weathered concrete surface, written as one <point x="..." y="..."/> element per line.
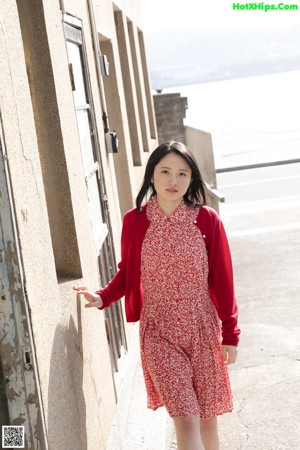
<point x="266" y="379"/>
<point x="170" y="110"/>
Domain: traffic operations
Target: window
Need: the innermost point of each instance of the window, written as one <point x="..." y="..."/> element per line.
<point x="86" y="132"/>
<point x="98" y="207"/>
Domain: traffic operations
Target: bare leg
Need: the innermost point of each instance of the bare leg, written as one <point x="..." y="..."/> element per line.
<point x="188" y="433"/>
<point x="209" y="433"/>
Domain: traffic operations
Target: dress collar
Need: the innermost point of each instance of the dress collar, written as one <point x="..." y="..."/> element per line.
<point x="155" y="213"/>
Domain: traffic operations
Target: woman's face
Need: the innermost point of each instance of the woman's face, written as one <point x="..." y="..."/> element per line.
<point x="171" y="178"/>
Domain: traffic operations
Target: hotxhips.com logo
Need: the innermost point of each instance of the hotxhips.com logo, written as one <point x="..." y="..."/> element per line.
<point x="263" y="7"/>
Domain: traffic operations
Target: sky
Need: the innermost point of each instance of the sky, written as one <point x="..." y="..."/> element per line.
<point x="183" y="15"/>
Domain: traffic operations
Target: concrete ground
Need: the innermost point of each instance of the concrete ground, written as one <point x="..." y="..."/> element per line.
<point x="262" y="219"/>
<point x="266" y="379"/>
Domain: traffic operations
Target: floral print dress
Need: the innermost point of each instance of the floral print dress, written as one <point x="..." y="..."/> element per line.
<point x="180" y="334"/>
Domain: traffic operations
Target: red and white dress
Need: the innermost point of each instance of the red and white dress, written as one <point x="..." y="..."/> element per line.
<point x="180" y="334"/>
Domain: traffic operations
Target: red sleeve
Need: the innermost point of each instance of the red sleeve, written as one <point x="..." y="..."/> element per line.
<point x="115" y="289"/>
<point x="220" y="278"/>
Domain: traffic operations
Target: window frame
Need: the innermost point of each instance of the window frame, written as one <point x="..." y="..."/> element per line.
<point x="114" y="320"/>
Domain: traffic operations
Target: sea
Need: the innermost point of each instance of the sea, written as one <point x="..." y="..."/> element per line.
<point x="252" y="119"/>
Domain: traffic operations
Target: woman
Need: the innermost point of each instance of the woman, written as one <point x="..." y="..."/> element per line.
<point x="176" y="275"/>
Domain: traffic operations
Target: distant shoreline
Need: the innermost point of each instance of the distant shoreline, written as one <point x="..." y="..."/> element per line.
<point x="184" y="82"/>
<point x="197" y="56"/>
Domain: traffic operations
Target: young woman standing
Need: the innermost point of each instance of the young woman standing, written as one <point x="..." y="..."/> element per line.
<point x="176" y="275"/>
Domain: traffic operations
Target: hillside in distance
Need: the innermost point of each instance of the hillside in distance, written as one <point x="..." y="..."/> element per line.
<point x="176" y="58"/>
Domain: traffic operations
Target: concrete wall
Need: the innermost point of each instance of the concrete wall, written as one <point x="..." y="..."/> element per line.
<point x="50" y="198"/>
<point x="200" y="142"/>
<point x="170" y="111"/>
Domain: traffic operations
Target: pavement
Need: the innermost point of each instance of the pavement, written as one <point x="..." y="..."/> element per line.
<point x="266" y="378"/>
<point x="262" y="219"/>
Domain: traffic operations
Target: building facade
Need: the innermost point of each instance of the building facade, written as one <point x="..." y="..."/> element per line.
<point x="77" y="126"/>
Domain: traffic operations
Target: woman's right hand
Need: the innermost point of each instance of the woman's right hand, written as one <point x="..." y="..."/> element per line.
<point x="94" y="300"/>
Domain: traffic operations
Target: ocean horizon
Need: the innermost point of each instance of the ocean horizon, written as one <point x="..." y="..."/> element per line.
<point x="255" y="117"/>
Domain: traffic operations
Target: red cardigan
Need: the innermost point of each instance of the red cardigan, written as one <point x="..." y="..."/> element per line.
<point x="127" y="280"/>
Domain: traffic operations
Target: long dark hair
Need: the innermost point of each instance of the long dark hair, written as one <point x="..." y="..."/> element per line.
<point x="195" y="194"/>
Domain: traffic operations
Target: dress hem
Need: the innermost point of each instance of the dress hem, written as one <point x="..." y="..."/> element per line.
<point x="202" y="416"/>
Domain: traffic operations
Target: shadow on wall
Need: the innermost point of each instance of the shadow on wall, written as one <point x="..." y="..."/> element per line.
<point x="66" y="402"/>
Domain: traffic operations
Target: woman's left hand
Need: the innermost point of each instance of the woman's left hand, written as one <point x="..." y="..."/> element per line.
<point x="230" y="353"/>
